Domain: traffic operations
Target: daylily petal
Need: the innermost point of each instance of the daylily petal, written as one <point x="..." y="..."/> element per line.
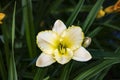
<point x="63" y="58"/>
<point x="47" y="41"/>
<point x="109" y="9"/>
<point x="44" y="60"/>
<point x="59" y="27"/>
<point x="117" y="5"/>
<point x="2" y="15"/>
<point x="73" y="37"/>
<point x="82" y="55"/>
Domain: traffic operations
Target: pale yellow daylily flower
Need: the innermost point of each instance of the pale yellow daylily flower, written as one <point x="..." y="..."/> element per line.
<point x="61" y="45"/>
<point x="113" y="8"/>
<point x="2" y="15"/>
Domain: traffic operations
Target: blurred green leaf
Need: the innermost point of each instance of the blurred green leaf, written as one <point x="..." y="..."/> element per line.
<point x="74" y="14"/>
<point x="101" y="54"/>
<point x="117" y="50"/>
<point x="27" y="75"/>
<point x="111" y="26"/>
<point x="41" y="72"/>
<point x="95" y="32"/>
<point x="12" y="67"/>
<point x="102" y="74"/>
<point x="66" y="71"/>
<point x="96" y="69"/>
<point x="6" y="6"/>
<point x="92" y="15"/>
<point x="29" y="27"/>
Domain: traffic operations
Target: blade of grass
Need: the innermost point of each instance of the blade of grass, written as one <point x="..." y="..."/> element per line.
<point x="95" y="31"/>
<point x="47" y="78"/>
<point x="99" y="28"/>
<point x="96" y="69"/>
<point x="73" y="16"/>
<point x="27" y="75"/>
<point x="66" y="71"/>
<point x="117" y="52"/>
<point x="101" y="54"/>
<point x="7" y="6"/>
<point x="99" y="75"/>
<point x="111" y="26"/>
<point x="41" y="72"/>
<point x="29" y="27"/>
<point x="92" y="15"/>
<point x="102" y="74"/>
<point x="12" y="68"/>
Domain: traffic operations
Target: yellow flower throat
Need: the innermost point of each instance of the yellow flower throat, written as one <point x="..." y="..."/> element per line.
<point x="62" y="48"/>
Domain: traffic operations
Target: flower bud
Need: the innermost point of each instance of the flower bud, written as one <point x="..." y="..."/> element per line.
<point x="86" y="42"/>
<point x="100" y="13"/>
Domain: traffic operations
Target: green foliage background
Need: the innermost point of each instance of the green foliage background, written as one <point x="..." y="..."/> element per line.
<point x="25" y="18"/>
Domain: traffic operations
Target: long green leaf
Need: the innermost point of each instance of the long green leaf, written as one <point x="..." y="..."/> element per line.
<point x="111" y="26"/>
<point x="29" y="27"/>
<point x="66" y="71"/>
<point x="103" y="73"/>
<point x="95" y="31"/>
<point x="12" y="67"/>
<point x="92" y="15"/>
<point x="96" y="69"/>
<point x="117" y="51"/>
<point x="41" y="72"/>
<point x="99" y="75"/>
<point x="75" y="13"/>
<point x="100" y="54"/>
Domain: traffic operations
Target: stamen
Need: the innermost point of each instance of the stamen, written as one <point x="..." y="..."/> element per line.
<point x="62" y="48"/>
